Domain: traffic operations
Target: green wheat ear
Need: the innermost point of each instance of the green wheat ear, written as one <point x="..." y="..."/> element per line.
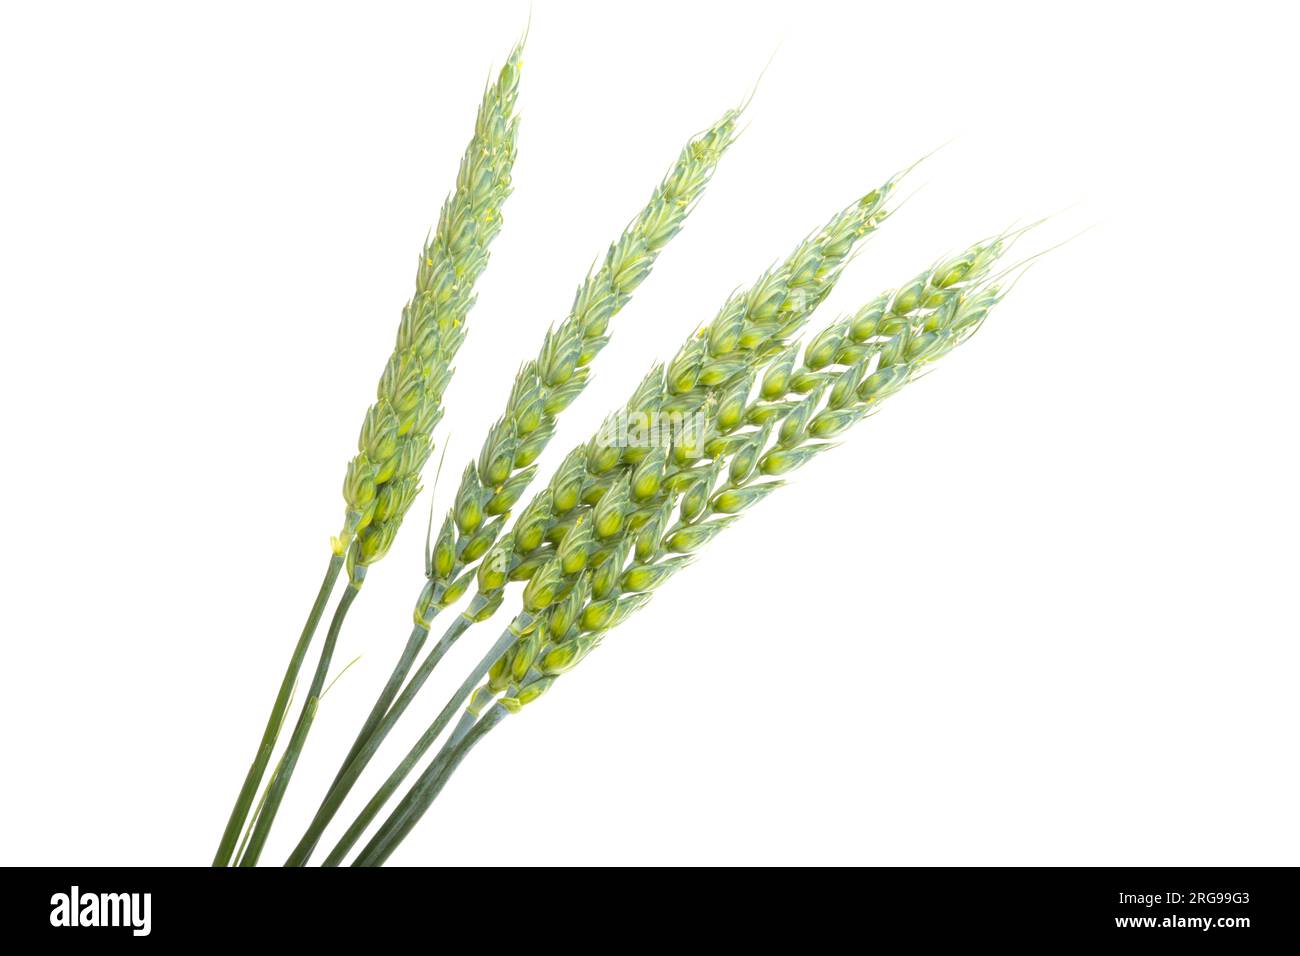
<point x="384" y="478"/>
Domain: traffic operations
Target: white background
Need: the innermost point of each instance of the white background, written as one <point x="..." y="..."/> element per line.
<point x="1040" y="610"/>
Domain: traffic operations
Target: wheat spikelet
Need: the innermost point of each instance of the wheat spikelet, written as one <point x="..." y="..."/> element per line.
<point x="383" y="479"/>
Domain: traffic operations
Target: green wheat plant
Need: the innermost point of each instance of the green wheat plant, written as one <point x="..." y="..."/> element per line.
<point x="383" y="479"/>
<point x="747" y="399"/>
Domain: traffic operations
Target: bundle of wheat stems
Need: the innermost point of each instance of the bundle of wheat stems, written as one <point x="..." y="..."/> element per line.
<point x="703" y="438"/>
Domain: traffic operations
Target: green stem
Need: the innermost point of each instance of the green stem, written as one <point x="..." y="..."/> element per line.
<point x="244" y="802"/>
<point x="275" y="793"/>
<point x="348" y="774"/>
<point x="426" y="790"/>
<point x="419" y="634"/>
<point x="463" y="726"/>
<point x="371" y="810"/>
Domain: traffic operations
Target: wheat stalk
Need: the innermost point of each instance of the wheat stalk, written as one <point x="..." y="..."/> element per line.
<point x="848" y="369"/>
<point x="606" y="486"/>
<point x="383" y="479"/>
<point x="543" y="388"/>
